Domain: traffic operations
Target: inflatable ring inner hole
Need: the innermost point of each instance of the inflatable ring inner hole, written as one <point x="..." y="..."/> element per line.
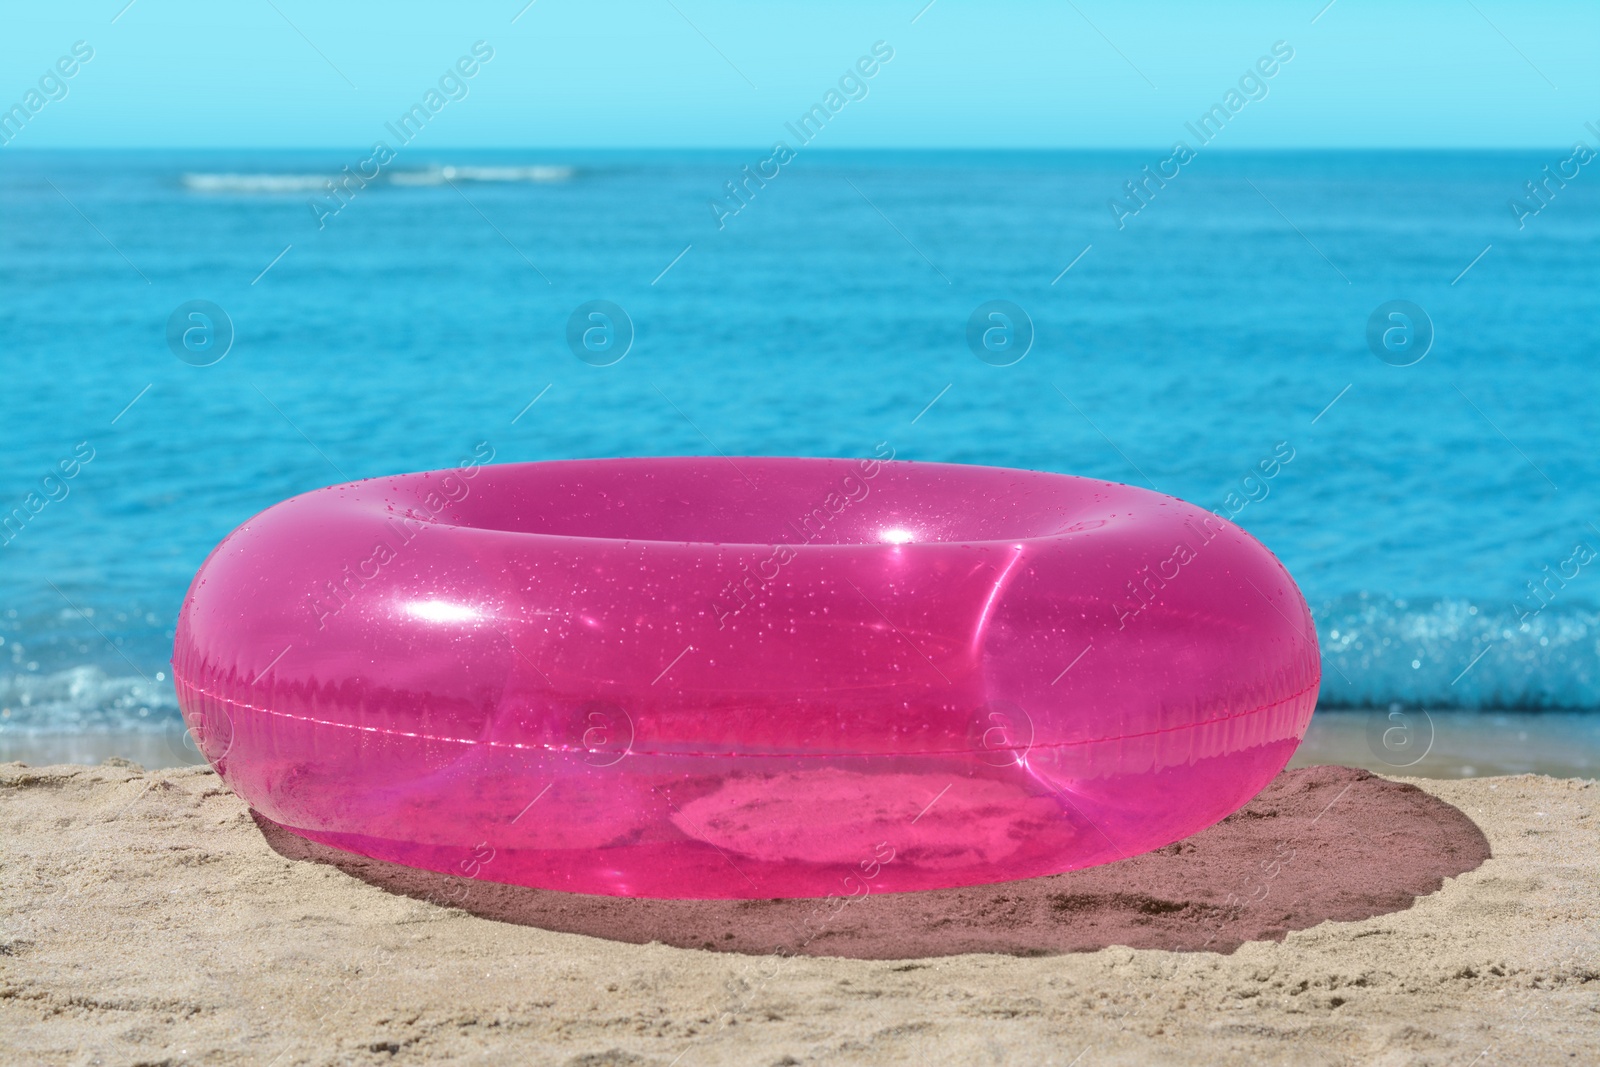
<point x="756" y="501"/>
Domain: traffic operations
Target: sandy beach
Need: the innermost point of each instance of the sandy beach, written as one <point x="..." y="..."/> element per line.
<point x="149" y="918"/>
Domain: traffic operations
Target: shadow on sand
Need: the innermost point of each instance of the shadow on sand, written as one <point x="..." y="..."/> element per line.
<point x="1318" y="843"/>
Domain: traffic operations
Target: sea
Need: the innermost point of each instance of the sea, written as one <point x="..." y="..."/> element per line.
<point x="1407" y="341"/>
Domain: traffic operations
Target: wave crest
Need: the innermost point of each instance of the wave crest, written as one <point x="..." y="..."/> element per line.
<point x="84" y="698"/>
<point x="1456" y="653"/>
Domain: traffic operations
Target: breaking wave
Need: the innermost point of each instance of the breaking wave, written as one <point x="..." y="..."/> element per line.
<point x="1455" y="653"/>
<point x="84" y="699"/>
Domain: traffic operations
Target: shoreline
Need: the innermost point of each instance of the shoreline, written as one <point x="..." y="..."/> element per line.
<point x="145" y="916"/>
<point x="1422" y="744"/>
<point x="1454" y="744"/>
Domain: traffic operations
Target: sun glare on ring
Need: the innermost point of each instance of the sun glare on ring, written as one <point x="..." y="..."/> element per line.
<point x="441" y="611"/>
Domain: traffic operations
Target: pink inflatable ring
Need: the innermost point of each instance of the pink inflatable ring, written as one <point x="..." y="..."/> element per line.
<point x="744" y="678"/>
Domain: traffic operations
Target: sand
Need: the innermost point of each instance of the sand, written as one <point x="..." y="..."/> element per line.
<point x="148" y="918"/>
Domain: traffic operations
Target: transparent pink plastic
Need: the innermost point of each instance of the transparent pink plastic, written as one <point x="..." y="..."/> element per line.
<point x="744" y="678"/>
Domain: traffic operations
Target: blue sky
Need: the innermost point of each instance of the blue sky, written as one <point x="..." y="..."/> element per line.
<point x="712" y="73"/>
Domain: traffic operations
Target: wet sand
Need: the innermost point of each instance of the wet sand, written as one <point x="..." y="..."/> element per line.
<point x="1455" y="744"/>
<point x="148" y="917"/>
